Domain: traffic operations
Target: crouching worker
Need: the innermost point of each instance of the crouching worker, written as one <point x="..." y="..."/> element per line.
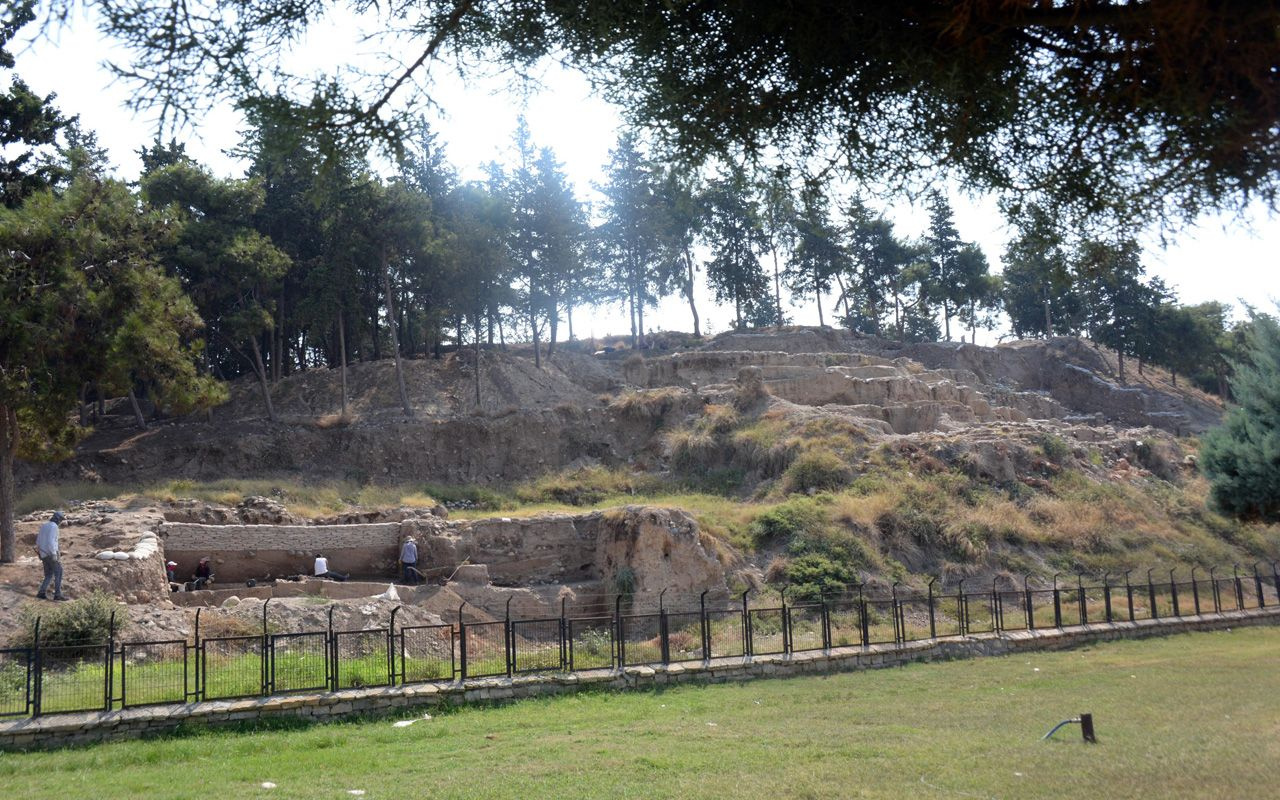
<point x="322" y="570"/>
<point x="203" y="575"/>
<point x="409" y="560"/>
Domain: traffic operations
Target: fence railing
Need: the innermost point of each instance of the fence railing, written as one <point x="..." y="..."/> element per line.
<point x="102" y="675"/>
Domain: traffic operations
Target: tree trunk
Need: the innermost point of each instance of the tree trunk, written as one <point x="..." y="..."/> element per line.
<point x="973" y="321"/>
<point x="553" y="322"/>
<point x="8" y="447"/>
<point x="1173" y="373"/>
<point x="1048" y="317"/>
<point x="946" y="318"/>
<point x="137" y="412"/>
<point x="631" y="298"/>
<point x="1120" y="361"/>
<point x="84" y="404"/>
<point x="262" y="378"/>
<point x="777" y="288"/>
<point x="478" y="360"/>
<point x="737" y="312"/>
<point x="688" y="292"/>
<point x="395" y="337"/>
<point x="342" y="360"/>
<point x="640" y="318"/>
<point x="897" y="315"/>
<point x="568" y="316"/>
<point x="817" y="293"/>
<point x="533" y="328"/>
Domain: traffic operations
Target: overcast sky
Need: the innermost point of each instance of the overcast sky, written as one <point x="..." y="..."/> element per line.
<point x="1219" y="258"/>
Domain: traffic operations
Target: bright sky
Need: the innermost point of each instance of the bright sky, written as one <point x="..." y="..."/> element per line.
<point x="1220" y="258"/>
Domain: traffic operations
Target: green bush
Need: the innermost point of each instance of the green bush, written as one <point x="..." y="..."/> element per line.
<point x="817" y="470"/>
<point x="82" y="622"/>
<point x="624" y="582"/>
<point x="1055" y="448"/>
<point x="812" y="575"/>
<point x="785" y="521"/>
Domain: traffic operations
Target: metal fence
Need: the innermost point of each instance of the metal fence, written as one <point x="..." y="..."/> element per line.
<point x="97" y="676"/>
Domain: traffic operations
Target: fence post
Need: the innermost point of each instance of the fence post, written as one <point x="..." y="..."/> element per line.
<point x="1257" y="585"/>
<point x="462" y="642"/>
<point x="1275" y="578"/>
<point x="196" y="660"/>
<point x="1151" y="595"/>
<point x="863" y="622"/>
<point x="1173" y="593"/>
<point x="826" y="621"/>
<point x="617" y="626"/>
<point x="893" y="610"/>
<point x="706" y="633"/>
<point x="933" y="626"/>
<point x="1128" y="593"/>
<point x="747" y="645"/>
<point x="509" y="639"/>
<point x="1030" y="605"/>
<point x="1106" y="594"/>
<point x="1235" y="572"/>
<point x="1084" y="608"/>
<point x="1195" y="590"/>
<point x="962" y="609"/>
<point x="664" y="632"/>
<point x="997" y="607"/>
<point x="37" y="665"/>
<point x="564" y="637"/>
<point x="331" y="654"/>
<point x="108" y="667"/>
<point x="267" y="668"/>
<point x="391" y="649"/>
<point x="786" y="622"/>
<point x="1217" y="596"/>
<point x="1057" y="602"/>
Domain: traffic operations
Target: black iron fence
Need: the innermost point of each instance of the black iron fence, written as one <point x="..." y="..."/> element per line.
<point x="100" y="676"/>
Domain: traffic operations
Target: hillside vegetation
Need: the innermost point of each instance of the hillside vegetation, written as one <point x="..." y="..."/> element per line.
<point x="952" y="475"/>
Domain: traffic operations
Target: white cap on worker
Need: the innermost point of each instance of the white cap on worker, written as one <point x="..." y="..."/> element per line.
<point x="171" y="564"/>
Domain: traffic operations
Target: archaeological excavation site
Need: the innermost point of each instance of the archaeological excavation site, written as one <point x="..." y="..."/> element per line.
<point x="754" y="493"/>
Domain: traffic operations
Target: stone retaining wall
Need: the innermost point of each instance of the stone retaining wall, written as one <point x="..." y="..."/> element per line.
<point x="70" y="729"/>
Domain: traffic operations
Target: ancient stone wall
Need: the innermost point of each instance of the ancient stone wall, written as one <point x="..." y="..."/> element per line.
<point x="241" y="552"/>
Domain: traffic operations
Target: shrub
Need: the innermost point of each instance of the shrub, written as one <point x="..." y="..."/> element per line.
<point x="1055" y="448"/>
<point x="691" y="450"/>
<point x="786" y="521"/>
<point x="82" y="622"/>
<point x="816" y="470"/>
<point x="624" y="582"/>
<point x="812" y="575"/>
<point x="647" y="404"/>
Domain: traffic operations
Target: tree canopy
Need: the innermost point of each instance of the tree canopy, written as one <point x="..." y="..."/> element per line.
<point x="1095" y="108"/>
<point x="1242" y="456"/>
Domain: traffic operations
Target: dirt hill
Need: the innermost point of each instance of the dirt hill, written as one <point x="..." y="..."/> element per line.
<point x="807" y="457"/>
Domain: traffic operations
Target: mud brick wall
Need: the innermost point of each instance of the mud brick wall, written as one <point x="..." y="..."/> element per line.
<point x="241" y="552"/>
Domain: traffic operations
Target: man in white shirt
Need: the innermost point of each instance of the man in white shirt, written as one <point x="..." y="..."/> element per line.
<point x="409" y="560"/>
<point x="322" y="569"/>
<point x="50" y="557"/>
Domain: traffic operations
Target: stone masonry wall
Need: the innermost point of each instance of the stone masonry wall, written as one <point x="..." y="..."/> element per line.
<point x="240" y="552"/>
<point x="72" y="729"/>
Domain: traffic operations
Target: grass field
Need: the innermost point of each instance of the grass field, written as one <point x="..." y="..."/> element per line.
<point x="1193" y="715"/>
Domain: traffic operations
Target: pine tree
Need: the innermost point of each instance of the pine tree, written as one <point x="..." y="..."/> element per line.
<point x="1241" y="457"/>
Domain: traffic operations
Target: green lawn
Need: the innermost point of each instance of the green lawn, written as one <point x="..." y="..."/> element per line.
<point x="1194" y="715"/>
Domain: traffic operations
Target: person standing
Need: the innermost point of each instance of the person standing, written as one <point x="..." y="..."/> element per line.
<point x="409" y="560"/>
<point x="50" y="557"/>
